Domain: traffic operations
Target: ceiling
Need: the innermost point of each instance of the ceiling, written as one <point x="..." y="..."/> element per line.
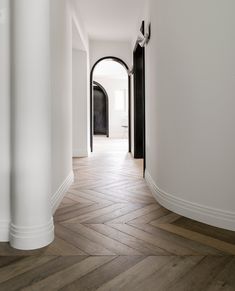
<point x="110" y="19"/>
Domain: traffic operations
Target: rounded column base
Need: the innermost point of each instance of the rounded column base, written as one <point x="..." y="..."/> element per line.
<point x="31" y="238"/>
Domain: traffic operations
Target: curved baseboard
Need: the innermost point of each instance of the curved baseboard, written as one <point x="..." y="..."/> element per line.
<point x="211" y="216"/>
<point x="31" y="238"/>
<point x="4" y="231"/>
<point x="59" y="195"/>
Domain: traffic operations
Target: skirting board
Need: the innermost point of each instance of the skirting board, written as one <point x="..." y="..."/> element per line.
<point x="211" y="216"/>
<point x="59" y="195"/>
<point x="80" y="153"/>
<point x="4" y="231"/>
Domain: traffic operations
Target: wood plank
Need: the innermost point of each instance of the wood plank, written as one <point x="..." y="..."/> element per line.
<point x="215" y="232"/>
<point x="109" y="243"/>
<point x="127" y="208"/>
<point x="70" y="274"/>
<point x="204" y="239"/>
<point x="167" y="275"/>
<point x="104" y="274"/>
<point x="78" y="211"/>
<point x="139" y="245"/>
<point x="85" y="245"/>
<point x="158" y="241"/>
<point x="202" y="275"/>
<point x="193" y="247"/>
<point x="96" y="213"/>
<point x="38" y="273"/>
<point x="21" y="266"/>
<point x="136" y="274"/>
<point x="62" y="247"/>
<point x="225" y="279"/>
<point x="134" y="214"/>
<point x="155" y="214"/>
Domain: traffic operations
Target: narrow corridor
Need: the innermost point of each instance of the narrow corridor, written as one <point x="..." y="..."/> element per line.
<point x="112" y="235"/>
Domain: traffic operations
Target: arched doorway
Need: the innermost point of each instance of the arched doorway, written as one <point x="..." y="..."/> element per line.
<point x="101" y="110"/>
<point x="121" y="62"/>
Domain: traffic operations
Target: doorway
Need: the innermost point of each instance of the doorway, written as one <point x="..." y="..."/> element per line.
<point x="139" y="101"/>
<point x="110" y="104"/>
<point x="101" y="110"/>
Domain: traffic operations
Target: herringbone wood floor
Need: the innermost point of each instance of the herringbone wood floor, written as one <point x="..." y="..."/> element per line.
<point x="112" y="235"/>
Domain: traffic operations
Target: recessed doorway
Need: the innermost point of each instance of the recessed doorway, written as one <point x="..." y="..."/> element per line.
<point x="110" y="105"/>
<point x="101" y="110"/>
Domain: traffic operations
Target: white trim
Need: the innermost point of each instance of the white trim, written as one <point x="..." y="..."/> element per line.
<point x="59" y="195"/>
<point x="4" y="231"/>
<point x="80" y="153"/>
<point x="31" y="238"/>
<point x="211" y="216"/>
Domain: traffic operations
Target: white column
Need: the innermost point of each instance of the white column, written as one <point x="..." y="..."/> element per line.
<point x="4" y="122"/>
<point x="32" y="223"/>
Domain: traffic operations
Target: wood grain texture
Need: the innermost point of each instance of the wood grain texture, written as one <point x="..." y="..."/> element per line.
<point x="112" y="235"/>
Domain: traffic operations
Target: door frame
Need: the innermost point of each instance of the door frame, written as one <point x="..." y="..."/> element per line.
<point x="143" y="115"/>
<point x="107" y="103"/>
<point x="120" y="61"/>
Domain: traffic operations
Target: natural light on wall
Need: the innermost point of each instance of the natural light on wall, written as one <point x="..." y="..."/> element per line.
<point x="120" y="100"/>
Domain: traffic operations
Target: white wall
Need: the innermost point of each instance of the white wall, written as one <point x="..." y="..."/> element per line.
<point x="119" y="49"/>
<point x="80" y="104"/>
<point x="116" y="118"/>
<point x="61" y="86"/>
<point x="190" y="101"/>
<point x="4" y="121"/>
<point x="64" y="24"/>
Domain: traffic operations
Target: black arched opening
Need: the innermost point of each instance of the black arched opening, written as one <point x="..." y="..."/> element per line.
<point x="101" y="110"/>
<point x="92" y="101"/>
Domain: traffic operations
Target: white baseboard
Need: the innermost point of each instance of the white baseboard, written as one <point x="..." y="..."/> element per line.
<point x="201" y="213"/>
<point x="80" y="153"/>
<point x="31" y="238"/>
<point x="4" y="231"/>
<point x="59" y="195"/>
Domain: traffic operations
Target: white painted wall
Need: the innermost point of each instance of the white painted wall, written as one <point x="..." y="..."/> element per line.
<point x="82" y="36"/>
<point x="119" y="49"/>
<point x="67" y="33"/>
<point x="80" y="104"/>
<point x="190" y="101"/>
<point x="117" y="118"/>
<point x="4" y="121"/>
<point x="61" y="86"/>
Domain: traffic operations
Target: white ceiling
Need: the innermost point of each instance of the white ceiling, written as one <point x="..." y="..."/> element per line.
<point x="110" y="69"/>
<point x="110" y="19"/>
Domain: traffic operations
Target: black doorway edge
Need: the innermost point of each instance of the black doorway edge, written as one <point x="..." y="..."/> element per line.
<point x="118" y="60"/>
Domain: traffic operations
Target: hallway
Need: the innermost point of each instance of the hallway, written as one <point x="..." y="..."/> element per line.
<point x="112" y="235"/>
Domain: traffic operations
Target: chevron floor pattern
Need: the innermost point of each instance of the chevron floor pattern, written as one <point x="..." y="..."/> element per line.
<point x="112" y="235"/>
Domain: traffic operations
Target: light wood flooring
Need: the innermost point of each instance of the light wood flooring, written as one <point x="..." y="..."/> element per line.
<point x="112" y="235"/>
